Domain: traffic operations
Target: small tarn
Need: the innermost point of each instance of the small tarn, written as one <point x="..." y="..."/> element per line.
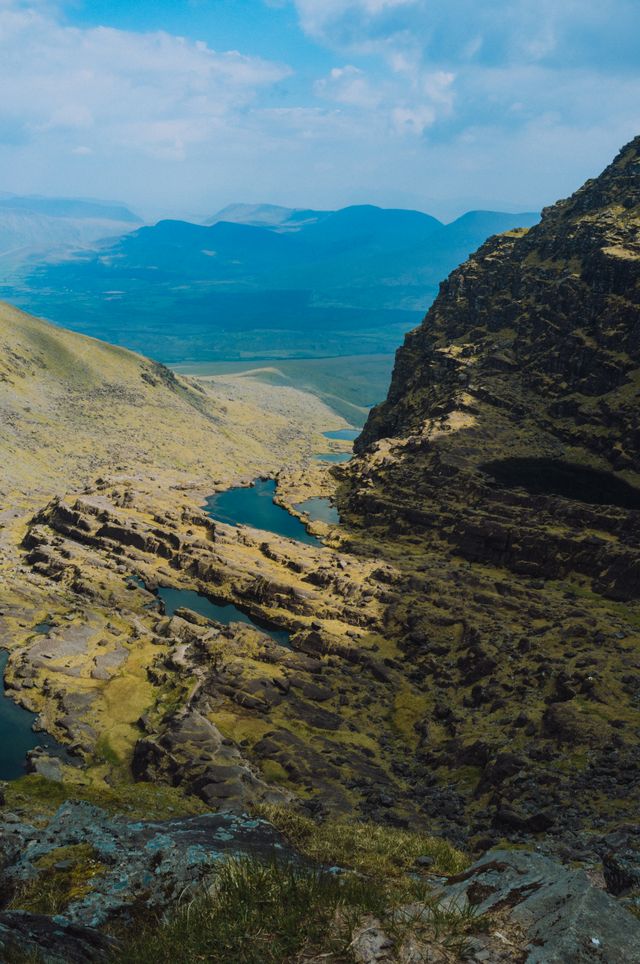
<point x="17" y="735"/>
<point x="254" y="506"/>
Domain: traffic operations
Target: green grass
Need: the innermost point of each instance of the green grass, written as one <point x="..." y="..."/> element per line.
<point x="346" y="384"/>
<point x="65" y="876"/>
<point x="40" y="797"/>
<point x="368" y="848"/>
<point x="253" y="911"/>
<point x="281" y="913"/>
<point x="105" y="752"/>
<point x="257" y="913"/>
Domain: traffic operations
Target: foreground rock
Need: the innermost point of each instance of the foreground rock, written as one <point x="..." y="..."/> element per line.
<point x="53" y="939"/>
<point x="105" y="869"/>
<point x="566" y="920"/>
<point x="100" y="870"/>
<point x="153" y="861"/>
<point x="536" y="912"/>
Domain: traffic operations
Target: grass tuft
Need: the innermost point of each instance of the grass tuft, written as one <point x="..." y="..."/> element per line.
<point x="258" y="913"/>
<point x="286" y="913"/>
<point x="369" y="848"/>
<point x="65" y="876"/>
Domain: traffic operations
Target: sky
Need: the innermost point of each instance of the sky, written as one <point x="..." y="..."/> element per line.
<point x="179" y="108"/>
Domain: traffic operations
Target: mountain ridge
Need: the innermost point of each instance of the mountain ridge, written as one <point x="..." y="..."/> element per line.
<point x="34" y="228"/>
<point x="66" y="207"/>
<point x="349" y="283"/>
<point x="502" y="473"/>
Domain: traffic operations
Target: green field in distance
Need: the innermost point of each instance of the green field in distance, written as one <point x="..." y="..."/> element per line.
<point x="349" y="384"/>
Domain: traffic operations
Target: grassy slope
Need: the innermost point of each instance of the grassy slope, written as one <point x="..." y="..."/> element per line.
<point x="71" y="407"/>
<point x="349" y="384"/>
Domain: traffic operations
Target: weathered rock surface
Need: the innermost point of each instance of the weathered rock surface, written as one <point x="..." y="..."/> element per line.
<point x="501" y="476"/>
<point x="513" y="406"/>
<point x="150" y="861"/>
<point x="191" y="752"/>
<point x="108" y="869"/>
<point x="53" y="938"/>
<point x="535" y="911"/>
<point x="565" y="919"/>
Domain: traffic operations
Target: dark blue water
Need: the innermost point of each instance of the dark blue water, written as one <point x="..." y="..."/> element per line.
<point x="333" y="457"/>
<point x="224" y="613"/>
<point x="16" y="735"/>
<point x="346" y="434"/>
<point x="255" y="507"/>
<point x="320" y="510"/>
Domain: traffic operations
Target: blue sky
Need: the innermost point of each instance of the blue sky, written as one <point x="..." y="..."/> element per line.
<point x="444" y="105"/>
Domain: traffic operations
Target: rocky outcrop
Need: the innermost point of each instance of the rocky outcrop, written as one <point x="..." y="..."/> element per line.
<point x="534" y="911"/>
<point x="111" y="867"/>
<point x="110" y="872"/>
<point x="213" y="556"/>
<point x="512" y="410"/>
<point x="502" y="477"/>
<point x="157" y="859"/>
<point x="55" y="940"/>
<point x="191" y="752"/>
<point x="563" y="917"/>
<point x="239" y="714"/>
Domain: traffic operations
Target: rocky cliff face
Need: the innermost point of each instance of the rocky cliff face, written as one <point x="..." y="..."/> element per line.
<point x="513" y="407"/>
<point x="502" y="477"/>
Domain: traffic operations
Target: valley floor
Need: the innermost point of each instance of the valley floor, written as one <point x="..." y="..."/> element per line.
<point x="382" y="709"/>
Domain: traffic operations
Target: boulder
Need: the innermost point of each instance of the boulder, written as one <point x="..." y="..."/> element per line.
<point x="566" y="920"/>
<point x="55" y="940"/>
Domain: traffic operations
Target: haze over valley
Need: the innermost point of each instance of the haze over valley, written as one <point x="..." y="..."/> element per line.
<point x="276" y="284"/>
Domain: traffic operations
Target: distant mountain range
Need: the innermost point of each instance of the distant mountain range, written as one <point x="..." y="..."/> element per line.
<point x="260" y="281"/>
<point x="268" y="216"/>
<point x="36" y="227"/>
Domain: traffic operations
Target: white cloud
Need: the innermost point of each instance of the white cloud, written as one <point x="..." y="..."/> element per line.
<point x="415" y="100"/>
<point x="413" y="120"/>
<point x="154" y="93"/>
<point x="319" y="16"/>
<point x="438" y="86"/>
<point x="410" y="105"/>
<point x="569" y="33"/>
<point x="348" y="85"/>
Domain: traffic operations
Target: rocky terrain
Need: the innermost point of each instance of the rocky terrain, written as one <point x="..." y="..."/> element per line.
<point x="540" y="912"/>
<point x="459" y="658"/>
<point x="502" y="477"/>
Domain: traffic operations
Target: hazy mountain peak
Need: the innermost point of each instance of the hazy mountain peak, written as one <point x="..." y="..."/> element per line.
<point x="268" y="216"/>
<point x="43" y="227"/>
<point x="77" y="208"/>
<point x="334" y="282"/>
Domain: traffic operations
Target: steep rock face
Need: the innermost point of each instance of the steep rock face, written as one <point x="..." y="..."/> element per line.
<point x="511" y="422"/>
<point x="502" y="478"/>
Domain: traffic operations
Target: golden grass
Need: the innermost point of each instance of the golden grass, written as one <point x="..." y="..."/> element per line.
<point x="366" y="847"/>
